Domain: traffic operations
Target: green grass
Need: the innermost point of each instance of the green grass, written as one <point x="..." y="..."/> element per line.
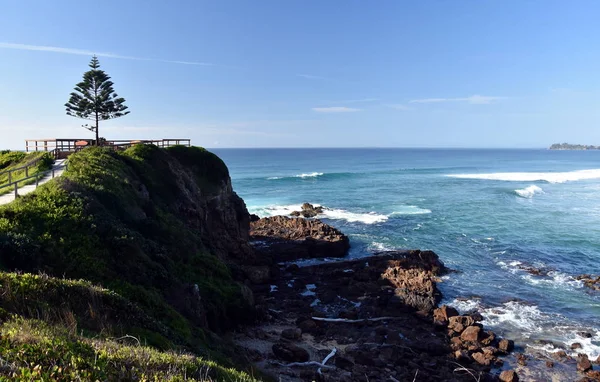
<point x="122" y="226"/>
<point x="32" y="350"/>
<point x="12" y="160"/>
<point x="8" y="157"/>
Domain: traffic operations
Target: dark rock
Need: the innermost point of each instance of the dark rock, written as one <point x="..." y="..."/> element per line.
<point x="476" y="316"/>
<point x="462" y="355"/>
<point x="344" y="363"/>
<point x="521" y="359"/>
<point x="290" y="352"/>
<point x="289" y="239"/>
<point x="506" y="345"/>
<point x="590" y="281"/>
<point x="444" y="313"/>
<point x="575" y="345"/>
<point x="292" y="268"/>
<point x="585" y="334"/>
<point x="594" y="375"/>
<point x="470" y="334"/>
<point x="258" y="274"/>
<point x="487" y="337"/>
<point x="291" y="333"/>
<point x="254" y="218"/>
<point x="559" y="355"/>
<point x="308" y="326"/>
<point x="460" y="323"/>
<point x="482" y="359"/>
<point x="583" y="363"/>
<point x="509" y="376"/>
<point x="549" y="364"/>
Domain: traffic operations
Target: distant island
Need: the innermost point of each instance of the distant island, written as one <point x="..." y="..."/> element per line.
<point x="568" y="146"/>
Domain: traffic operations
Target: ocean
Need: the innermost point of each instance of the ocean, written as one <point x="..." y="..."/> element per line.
<point x="489" y="214"/>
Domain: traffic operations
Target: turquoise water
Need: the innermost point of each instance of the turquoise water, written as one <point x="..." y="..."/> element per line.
<point x="484" y="212"/>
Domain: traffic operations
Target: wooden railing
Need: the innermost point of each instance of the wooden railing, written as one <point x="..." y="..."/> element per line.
<point x="14" y="182"/>
<point x="63" y="147"/>
<point x="13" y="170"/>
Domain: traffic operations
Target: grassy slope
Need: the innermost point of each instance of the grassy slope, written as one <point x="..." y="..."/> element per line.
<point x="109" y="220"/>
<point x="15" y="159"/>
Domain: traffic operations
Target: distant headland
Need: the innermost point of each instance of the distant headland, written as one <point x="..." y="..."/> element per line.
<point x="568" y="146"/>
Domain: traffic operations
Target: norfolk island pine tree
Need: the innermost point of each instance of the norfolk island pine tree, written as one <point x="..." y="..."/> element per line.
<point x="95" y="99"/>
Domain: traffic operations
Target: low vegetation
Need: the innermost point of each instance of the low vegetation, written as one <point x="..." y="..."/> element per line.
<point x="36" y="163"/>
<point x="115" y="225"/>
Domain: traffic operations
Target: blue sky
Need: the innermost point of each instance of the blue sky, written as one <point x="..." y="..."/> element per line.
<point x="272" y="73"/>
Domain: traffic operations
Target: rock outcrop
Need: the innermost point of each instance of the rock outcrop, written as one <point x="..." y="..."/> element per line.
<point x="377" y="312"/>
<point x="286" y="239"/>
<point x="308" y="211"/>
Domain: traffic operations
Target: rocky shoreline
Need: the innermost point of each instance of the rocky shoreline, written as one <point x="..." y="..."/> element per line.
<point x="370" y="319"/>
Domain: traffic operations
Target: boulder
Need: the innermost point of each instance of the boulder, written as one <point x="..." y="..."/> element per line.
<point x="559" y="355"/>
<point x="471" y="334"/>
<point x="291" y="333"/>
<point x="343" y="363"/>
<point x="583" y="363"/>
<point x="254" y="218"/>
<point x="288" y="239"/>
<point x="575" y="345"/>
<point x="506" y="345"/>
<point x="509" y="376"/>
<point x="260" y="274"/>
<point x="590" y="281"/>
<point x="482" y="359"/>
<point x="443" y="313"/>
<point x="290" y="353"/>
<point x="460" y="323"/>
<point x="308" y="211"/>
<point x="487" y="338"/>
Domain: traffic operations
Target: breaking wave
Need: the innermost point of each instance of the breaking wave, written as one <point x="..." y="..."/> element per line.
<point x="528" y="192"/>
<point x="550" y="177"/>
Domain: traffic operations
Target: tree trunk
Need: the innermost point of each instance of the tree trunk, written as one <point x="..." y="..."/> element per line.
<point x="97" y="135"/>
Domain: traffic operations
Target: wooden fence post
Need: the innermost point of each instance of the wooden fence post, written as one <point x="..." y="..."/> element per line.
<point x="16" y="193"/>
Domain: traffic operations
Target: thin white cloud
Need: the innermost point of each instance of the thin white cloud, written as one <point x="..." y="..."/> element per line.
<point x="474" y="100"/>
<point x="83" y="52"/>
<point x="335" y="109"/>
<point x="356" y="100"/>
<point x="399" y="107"/>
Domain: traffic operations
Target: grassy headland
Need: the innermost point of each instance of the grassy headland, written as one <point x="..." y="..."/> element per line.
<point x="149" y="234"/>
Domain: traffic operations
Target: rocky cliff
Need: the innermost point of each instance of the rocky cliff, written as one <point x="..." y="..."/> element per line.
<point x="163" y="229"/>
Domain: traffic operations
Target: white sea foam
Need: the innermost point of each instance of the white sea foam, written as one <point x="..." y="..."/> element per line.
<point x="554" y="279"/>
<point x="409" y="210"/>
<point x="367" y="218"/>
<point x="303" y="175"/>
<point x="550" y="177"/>
<point x="309" y="175"/>
<point x="328" y="213"/>
<point x="528" y="192"/>
<point x="378" y="247"/>
<point x="528" y="322"/>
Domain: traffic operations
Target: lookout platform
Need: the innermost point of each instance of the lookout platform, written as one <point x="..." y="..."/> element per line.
<point x="61" y="148"/>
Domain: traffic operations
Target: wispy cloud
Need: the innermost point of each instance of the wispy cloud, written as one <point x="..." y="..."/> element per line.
<point x="474" y="99"/>
<point x="335" y="109"/>
<point x="83" y="52"/>
<point x="399" y="106"/>
<point x="356" y="100"/>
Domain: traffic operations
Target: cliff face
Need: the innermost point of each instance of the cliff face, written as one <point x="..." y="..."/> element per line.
<point x="157" y="226"/>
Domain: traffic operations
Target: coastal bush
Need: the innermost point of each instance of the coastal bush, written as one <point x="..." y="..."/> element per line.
<point x="34" y="350"/>
<point x="14" y="160"/>
<point x="8" y="157"/>
<point x="120" y="221"/>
